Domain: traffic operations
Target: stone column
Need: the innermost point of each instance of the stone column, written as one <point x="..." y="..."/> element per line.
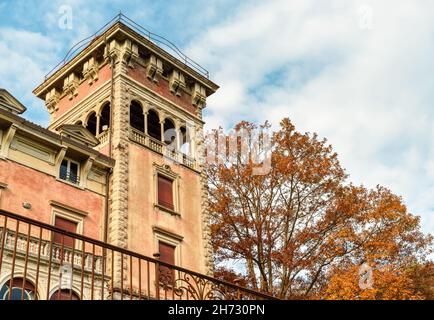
<point x="118" y="218"/>
<point x="98" y="122"/>
<point x="162" y="129"/>
<point x="145" y="116"/>
<point x="206" y="228"/>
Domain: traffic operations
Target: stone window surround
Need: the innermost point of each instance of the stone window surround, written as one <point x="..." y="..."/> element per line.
<point x="2" y="187"/>
<point x="69" y="213"/>
<point x="167" y="237"/>
<point x="166" y="171"/>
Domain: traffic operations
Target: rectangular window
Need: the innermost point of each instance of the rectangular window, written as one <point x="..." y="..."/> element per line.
<point x="69" y="171"/>
<point x="165" y="192"/>
<point x="65" y="225"/>
<point x="167" y="254"/>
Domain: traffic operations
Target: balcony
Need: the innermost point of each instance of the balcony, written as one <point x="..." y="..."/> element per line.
<point x="94" y="270"/>
<point x="103" y="137"/>
<point x="159" y="147"/>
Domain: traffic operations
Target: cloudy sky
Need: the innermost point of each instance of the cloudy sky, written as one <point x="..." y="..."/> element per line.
<point x="360" y="73"/>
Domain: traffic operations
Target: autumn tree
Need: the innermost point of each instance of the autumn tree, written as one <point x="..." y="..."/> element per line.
<point x="291" y="231"/>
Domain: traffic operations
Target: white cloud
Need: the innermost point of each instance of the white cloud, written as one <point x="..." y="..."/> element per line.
<point x="24" y="58"/>
<point x="366" y="87"/>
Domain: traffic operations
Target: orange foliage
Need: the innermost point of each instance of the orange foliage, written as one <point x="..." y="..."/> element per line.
<point x="301" y="231"/>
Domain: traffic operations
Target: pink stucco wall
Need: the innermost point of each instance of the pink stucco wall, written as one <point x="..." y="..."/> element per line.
<point x="142" y="216"/>
<point x="27" y="185"/>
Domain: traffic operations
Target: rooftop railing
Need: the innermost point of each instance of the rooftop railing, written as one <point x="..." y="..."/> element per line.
<point x="160" y="41"/>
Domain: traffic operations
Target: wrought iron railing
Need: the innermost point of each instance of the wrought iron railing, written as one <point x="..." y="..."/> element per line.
<point x="93" y="270"/>
<point x="69" y="176"/>
<point x="157" y="39"/>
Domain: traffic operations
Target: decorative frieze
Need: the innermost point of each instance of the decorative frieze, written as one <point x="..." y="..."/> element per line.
<point x="154" y="68"/>
<point x="177" y="82"/>
<point x="52" y="100"/>
<point x="198" y="95"/>
<point x="127" y="52"/>
<point x="130" y="53"/>
<point x="90" y="70"/>
<point x="70" y="85"/>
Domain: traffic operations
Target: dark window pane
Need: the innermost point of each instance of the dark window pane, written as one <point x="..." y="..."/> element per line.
<point x="137" y="119"/>
<point x="105" y="117"/>
<point x="169" y="131"/>
<point x="154" y="127"/>
<point x="91" y="123"/>
<point x="63" y="170"/>
<point x="73" y="172"/>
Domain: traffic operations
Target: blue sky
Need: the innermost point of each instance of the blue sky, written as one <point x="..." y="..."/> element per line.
<point x="357" y="72"/>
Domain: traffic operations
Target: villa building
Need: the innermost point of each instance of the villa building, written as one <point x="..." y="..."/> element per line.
<point x="119" y="163"/>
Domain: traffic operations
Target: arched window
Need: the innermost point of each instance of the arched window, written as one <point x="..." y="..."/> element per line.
<point x="154" y="127"/>
<point x="91" y="123"/>
<point x="64" y="294"/>
<point x="79" y="123"/>
<point x="104" y="121"/>
<point x="169" y="131"/>
<point x="17" y="290"/>
<point x="137" y="119"/>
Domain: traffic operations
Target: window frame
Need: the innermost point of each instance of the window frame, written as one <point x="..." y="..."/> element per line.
<point x="165" y="172"/>
<point x="173" y="240"/>
<point x="6" y="281"/>
<point x="160" y="176"/>
<point x="68" y="170"/>
<point x="73" y="216"/>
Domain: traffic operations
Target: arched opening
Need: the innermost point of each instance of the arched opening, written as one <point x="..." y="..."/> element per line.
<point x="64" y="294"/>
<point x="169" y="131"/>
<point x="154" y="127"/>
<point x="79" y="123"/>
<point x="184" y="143"/>
<point x="16" y="292"/>
<point x="104" y="121"/>
<point x="91" y="123"/>
<point x="137" y="119"/>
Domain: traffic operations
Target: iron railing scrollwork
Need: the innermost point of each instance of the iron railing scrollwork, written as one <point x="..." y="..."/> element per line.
<point x="95" y="270"/>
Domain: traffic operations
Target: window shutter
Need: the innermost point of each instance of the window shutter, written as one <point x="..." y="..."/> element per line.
<point x="66" y="225"/>
<point x="165" y="192"/>
<point x="167" y="254"/>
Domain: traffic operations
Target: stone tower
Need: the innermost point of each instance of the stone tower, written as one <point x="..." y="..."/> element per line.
<point x="144" y="106"/>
